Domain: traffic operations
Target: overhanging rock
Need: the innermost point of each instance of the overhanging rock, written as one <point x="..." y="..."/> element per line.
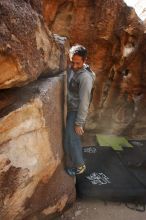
<point x="27" y="47"/>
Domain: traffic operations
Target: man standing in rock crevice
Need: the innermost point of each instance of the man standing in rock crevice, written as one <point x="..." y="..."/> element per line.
<point x="80" y="80"/>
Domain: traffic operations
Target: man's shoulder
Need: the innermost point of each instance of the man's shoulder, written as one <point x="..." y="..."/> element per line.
<point x="86" y="77"/>
<point x="88" y="73"/>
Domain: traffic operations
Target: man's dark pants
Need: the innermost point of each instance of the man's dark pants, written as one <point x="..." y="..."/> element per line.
<point x="72" y="143"/>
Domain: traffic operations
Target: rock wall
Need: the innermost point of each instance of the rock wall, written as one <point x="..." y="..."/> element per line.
<point x="33" y="183"/>
<point x="32" y="177"/>
<point x="114" y="36"/>
<point x="27" y="47"/>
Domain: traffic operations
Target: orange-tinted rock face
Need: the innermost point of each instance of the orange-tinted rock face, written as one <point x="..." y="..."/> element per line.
<point x="113" y="34"/>
<point x="32" y="177"/>
<point x="27" y="47"/>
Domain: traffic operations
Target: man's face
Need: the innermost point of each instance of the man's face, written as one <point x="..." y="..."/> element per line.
<point x="77" y="63"/>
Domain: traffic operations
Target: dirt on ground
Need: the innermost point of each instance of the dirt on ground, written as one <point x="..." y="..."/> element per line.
<point x="100" y="210"/>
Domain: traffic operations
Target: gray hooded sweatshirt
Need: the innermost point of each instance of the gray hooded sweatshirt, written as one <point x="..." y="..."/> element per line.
<point x="80" y="85"/>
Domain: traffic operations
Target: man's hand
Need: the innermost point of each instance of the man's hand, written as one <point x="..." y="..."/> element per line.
<point x="79" y="130"/>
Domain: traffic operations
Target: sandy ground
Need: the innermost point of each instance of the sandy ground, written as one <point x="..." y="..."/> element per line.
<point x="94" y="209"/>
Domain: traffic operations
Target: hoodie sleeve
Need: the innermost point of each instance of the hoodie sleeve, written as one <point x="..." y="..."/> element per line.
<point x="85" y="87"/>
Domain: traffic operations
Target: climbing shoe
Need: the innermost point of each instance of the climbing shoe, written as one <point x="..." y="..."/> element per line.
<point x="76" y="171"/>
<point x="80" y="169"/>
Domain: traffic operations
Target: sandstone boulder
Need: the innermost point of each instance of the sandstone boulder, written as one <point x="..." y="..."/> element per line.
<point x="27" y="48"/>
<point x="113" y="34"/>
<point x="32" y="178"/>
